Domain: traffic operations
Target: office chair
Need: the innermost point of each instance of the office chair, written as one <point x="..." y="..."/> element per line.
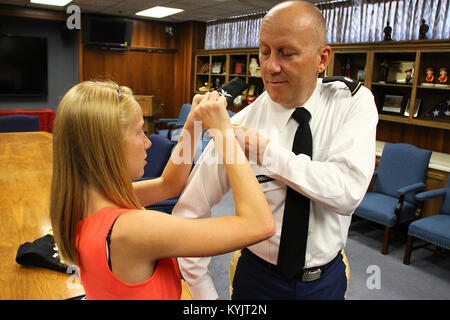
<point x="157" y="157"/>
<point x="173" y="123"/>
<point x="400" y="175"/>
<point x="19" y="123"/>
<point x="434" y="229"/>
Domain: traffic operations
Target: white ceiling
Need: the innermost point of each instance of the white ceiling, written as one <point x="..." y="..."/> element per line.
<point x="194" y="10"/>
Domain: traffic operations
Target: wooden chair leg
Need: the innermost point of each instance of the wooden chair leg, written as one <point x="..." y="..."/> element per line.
<point x="387" y="235"/>
<point x="408" y="249"/>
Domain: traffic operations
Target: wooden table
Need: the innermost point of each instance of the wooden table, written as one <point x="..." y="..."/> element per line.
<point x="151" y="106"/>
<point x="25" y="179"/>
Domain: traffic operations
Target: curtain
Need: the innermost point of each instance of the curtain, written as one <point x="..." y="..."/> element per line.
<point x="347" y="22"/>
<point x="239" y="32"/>
<point x="365" y="20"/>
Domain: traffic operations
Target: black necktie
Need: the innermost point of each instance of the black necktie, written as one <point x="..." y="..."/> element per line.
<point x="294" y="232"/>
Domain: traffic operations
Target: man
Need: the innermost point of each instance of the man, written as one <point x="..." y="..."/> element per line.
<point x="292" y="53"/>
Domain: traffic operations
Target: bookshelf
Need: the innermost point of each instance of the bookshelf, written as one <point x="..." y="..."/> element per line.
<point x="365" y="63"/>
<point x="384" y="65"/>
<point x="213" y="68"/>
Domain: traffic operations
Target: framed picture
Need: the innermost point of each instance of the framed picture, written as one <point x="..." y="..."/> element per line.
<point x="361" y="75"/>
<point x="401" y="72"/>
<point x="392" y="104"/>
<point x="217" y="67"/>
<point x="416" y="107"/>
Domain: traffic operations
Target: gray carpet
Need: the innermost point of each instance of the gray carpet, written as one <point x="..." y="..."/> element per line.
<point x="373" y="276"/>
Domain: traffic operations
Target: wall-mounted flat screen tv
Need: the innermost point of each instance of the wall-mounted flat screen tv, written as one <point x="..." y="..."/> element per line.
<point x="107" y="31"/>
<point x="23" y="66"/>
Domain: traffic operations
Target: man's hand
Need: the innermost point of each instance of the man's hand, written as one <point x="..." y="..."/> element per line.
<point x="253" y="143"/>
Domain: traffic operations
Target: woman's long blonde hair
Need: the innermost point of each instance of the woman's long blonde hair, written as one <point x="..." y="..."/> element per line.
<point x="88" y="153"/>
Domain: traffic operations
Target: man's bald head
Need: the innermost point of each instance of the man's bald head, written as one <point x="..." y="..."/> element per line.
<point x="301" y="13"/>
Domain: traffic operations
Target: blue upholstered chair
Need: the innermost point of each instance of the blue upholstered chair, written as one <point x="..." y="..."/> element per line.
<point x="19" y="123"/>
<point x="434" y="229"/>
<point x="157" y="157"/>
<point x="173" y="123"/>
<point x="400" y="175"/>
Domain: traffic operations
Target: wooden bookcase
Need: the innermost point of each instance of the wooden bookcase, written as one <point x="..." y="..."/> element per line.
<point x="424" y="132"/>
<point x="216" y="67"/>
<point x="366" y="58"/>
<point x="419" y="95"/>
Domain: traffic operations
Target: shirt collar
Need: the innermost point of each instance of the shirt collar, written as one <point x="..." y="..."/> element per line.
<point x="281" y="115"/>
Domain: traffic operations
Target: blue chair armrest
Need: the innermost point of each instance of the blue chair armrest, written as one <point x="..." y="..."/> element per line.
<point x="176" y="123"/>
<point x="412" y="187"/>
<point x="166" y="120"/>
<point x="430" y="194"/>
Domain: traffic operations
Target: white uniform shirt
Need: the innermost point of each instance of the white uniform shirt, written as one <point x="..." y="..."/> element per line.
<point x="343" y="130"/>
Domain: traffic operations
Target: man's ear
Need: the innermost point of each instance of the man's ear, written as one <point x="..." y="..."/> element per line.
<point x="324" y="56"/>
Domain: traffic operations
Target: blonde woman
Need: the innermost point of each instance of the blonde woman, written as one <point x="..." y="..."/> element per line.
<point x="124" y="251"/>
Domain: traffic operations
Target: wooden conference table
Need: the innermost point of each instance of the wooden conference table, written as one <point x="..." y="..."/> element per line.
<point x="25" y="178"/>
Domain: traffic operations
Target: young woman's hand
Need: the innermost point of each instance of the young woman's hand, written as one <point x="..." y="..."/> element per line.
<point x="211" y="110"/>
<point x="191" y="116"/>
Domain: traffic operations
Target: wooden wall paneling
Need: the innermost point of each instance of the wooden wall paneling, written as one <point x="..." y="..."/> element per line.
<point x="153" y="75"/>
<point x="146" y="73"/>
<point x="149" y="34"/>
<point x="166" y="75"/>
<point x="182" y="70"/>
<point x="80" y="55"/>
<point x="423" y="137"/>
<point x="33" y="13"/>
<point x="189" y="36"/>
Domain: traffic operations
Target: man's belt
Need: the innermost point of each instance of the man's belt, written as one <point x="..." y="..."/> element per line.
<point x="304" y="275"/>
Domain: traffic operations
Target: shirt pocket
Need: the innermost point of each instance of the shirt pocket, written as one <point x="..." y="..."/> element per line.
<point x="271" y="185"/>
<point x="275" y="193"/>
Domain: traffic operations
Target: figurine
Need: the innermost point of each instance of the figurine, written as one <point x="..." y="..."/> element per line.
<point x="430" y="77"/>
<point x="443" y="76"/>
<point x="384" y="70"/>
<point x="250" y="99"/>
<point x="408" y="79"/>
<point x="238" y="101"/>
<point x="423" y="30"/>
<point x="387" y="32"/>
<point x="217" y="84"/>
<point x="253" y="66"/>
<point x="347" y="68"/>
<point x="204" y="88"/>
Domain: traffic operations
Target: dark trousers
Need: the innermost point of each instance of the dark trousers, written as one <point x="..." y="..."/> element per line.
<point x="256" y="280"/>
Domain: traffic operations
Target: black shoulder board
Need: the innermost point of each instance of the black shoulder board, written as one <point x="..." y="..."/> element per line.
<point x="353" y="85"/>
<point x="263" y="178"/>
